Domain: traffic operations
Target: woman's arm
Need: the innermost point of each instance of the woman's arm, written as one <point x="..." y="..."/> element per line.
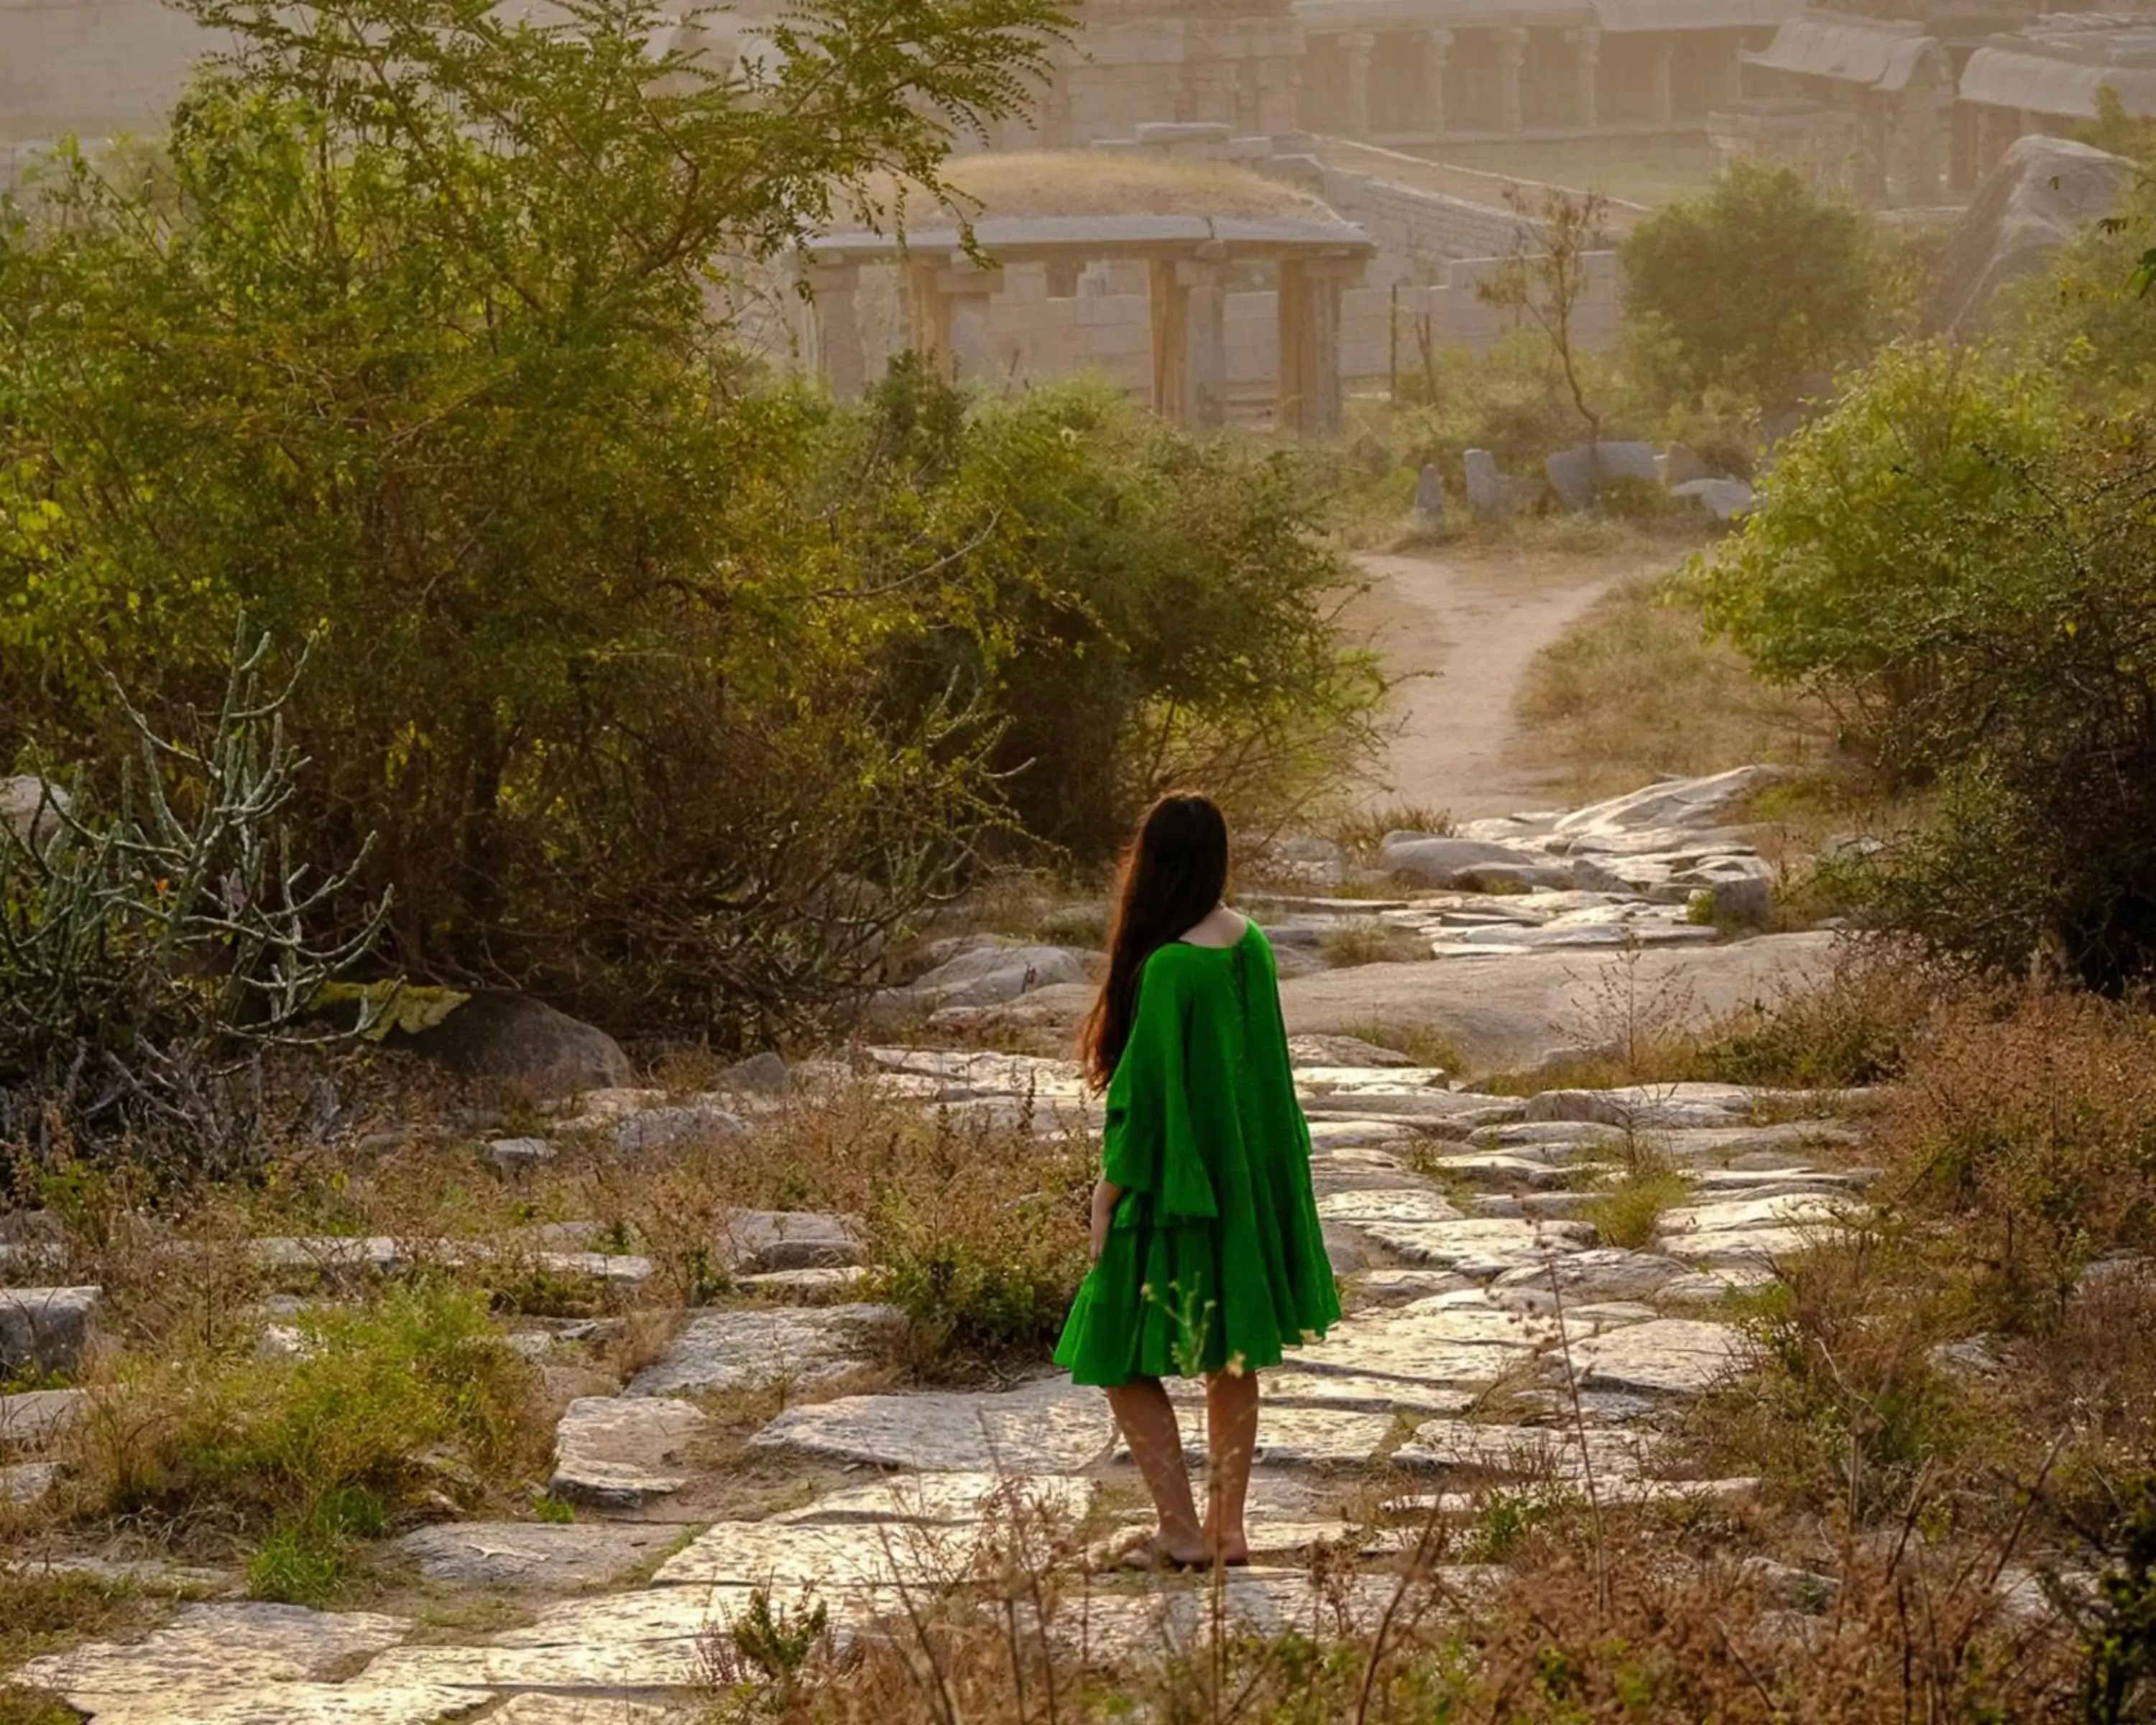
<point x="1106" y="1194"/>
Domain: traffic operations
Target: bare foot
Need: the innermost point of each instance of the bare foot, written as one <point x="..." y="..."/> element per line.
<point x="1232" y="1550"/>
<point x="1149" y="1551"/>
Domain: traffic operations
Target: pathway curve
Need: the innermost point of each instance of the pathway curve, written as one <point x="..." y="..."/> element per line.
<point x="1460" y="628"/>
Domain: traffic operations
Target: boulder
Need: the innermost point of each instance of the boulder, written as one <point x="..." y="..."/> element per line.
<point x="761" y="1075"/>
<point x="990" y="974"/>
<point x="499" y="1035"/>
<point x="2042" y="196"/>
<point x="1431" y="859"/>
<point x="27" y="806"/>
<point x="1677" y="803"/>
<point x="761" y="1242"/>
<point x="45" y="1327"/>
<point x="1577" y="475"/>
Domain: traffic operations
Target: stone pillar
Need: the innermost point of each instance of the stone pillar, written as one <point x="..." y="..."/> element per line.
<point x="1169" y="309"/>
<point x="1358" y="45"/>
<point x="835" y="321"/>
<point x="1310" y="394"/>
<point x="1873" y="132"/>
<point x="1436" y="55"/>
<point x="928" y="308"/>
<point x="1204" y="284"/>
<point x="1664" y="89"/>
<point x="1511" y="55"/>
<point x="1921" y="138"/>
<point x="1995" y="128"/>
<point x="1587" y="44"/>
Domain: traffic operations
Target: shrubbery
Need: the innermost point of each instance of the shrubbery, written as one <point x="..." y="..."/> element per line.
<point x="664" y="689"/>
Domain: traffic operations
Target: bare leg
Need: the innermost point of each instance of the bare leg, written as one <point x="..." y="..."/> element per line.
<point x="1231" y="1433"/>
<point x="1147" y="1418"/>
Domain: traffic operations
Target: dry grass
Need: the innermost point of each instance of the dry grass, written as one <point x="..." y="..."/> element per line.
<point x="1636" y="688"/>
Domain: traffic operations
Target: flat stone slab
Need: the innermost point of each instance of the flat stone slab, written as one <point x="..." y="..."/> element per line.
<point x="1388" y="1204"/>
<point x="531" y="1709"/>
<point x="1049" y="1427"/>
<point x="554" y="1555"/>
<point x="949" y="1500"/>
<point x="1483" y="1248"/>
<point x="1753" y="1230"/>
<point x="1643" y="1106"/>
<point x="620" y="1451"/>
<point x="1672" y="1356"/>
<point x="1600" y="1273"/>
<point x="1416" y="1344"/>
<point x="46" y="1327"/>
<point x="758" y="1348"/>
<point x="1527" y="1452"/>
<point x="645" y="1639"/>
<point x="1390" y="1396"/>
<point x="34" y="1418"/>
<point x="237" y="1662"/>
<point x="839" y="1554"/>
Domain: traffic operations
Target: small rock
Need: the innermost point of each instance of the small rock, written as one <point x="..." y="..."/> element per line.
<point x="32" y="1419"/>
<point x="675" y="1123"/>
<point x="759" y="1242"/>
<point x="1672" y="1356"/>
<point x="514" y="1156"/>
<point x="1341" y="1051"/>
<point x="27" y="1482"/>
<point x="1487" y="493"/>
<point x="45" y="1327"/>
<point x="1430" y="497"/>
<point x="1727" y="499"/>
<point x="761" y="1075"/>
<point x="1974" y="1358"/>
<point x="620" y="1452"/>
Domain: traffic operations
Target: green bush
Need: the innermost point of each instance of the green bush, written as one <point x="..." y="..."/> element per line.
<point x="372" y="1408"/>
<point x="1751" y="289"/>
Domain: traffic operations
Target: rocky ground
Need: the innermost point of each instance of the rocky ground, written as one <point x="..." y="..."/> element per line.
<point x="1496" y="1339"/>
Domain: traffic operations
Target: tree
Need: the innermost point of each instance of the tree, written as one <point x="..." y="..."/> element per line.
<point x="1965" y="568"/>
<point x="1754" y="289"/>
<point x="405" y="342"/>
<point x="1543" y="278"/>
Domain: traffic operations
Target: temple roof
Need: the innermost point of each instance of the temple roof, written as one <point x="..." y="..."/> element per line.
<point x="1100" y="203"/>
<point x="2058" y="65"/>
<point x="1879" y="54"/>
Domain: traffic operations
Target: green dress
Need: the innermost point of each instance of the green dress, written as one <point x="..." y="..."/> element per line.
<point x="1214" y="1259"/>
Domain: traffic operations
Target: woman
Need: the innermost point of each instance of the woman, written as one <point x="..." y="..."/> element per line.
<point x="1207" y="1255"/>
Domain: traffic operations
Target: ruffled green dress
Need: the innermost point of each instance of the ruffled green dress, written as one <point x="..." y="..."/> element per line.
<point x="1214" y="1259"/>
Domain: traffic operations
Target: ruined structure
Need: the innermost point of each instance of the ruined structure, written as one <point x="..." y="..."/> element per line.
<point x="1857" y="105"/>
<point x="2048" y="77"/>
<point x="1419" y="72"/>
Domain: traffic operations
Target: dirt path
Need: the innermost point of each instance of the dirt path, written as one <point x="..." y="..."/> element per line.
<point x="1460" y="628"/>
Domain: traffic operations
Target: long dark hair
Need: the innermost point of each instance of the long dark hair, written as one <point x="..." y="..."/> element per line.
<point x="1173" y="874"/>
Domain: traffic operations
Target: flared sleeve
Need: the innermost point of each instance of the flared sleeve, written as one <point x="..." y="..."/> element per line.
<point x="1150" y="1143"/>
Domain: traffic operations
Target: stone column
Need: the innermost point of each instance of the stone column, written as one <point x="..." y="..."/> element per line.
<point x="835" y="321"/>
<point x="1204" y="284"/>
<point x="1436" y="55"/>
<point x="1310" y="395"/>
<point x="1587" y="42"/>
<point x="928" y="308"/>
<point x="1511" y="55"/>
<point x="1358" y="45"/>
<point x="1169" y="309"/>
<point x="1664" y="99"/>
<point x="1921" y="129"/>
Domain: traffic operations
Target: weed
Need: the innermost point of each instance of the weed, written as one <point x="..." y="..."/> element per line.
<point x="378" y="1403"/>
<point x="1424" y="1044"/>
<point x="1630" y="1212"/>
<point x="1349" y="944"/>
<point x="307" y="1557"/>
<point x="556" y="1512"/>
<point x="1363" y="834"/>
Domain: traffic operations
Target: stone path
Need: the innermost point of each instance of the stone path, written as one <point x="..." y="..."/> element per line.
<point x="1493" y="1342"/>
